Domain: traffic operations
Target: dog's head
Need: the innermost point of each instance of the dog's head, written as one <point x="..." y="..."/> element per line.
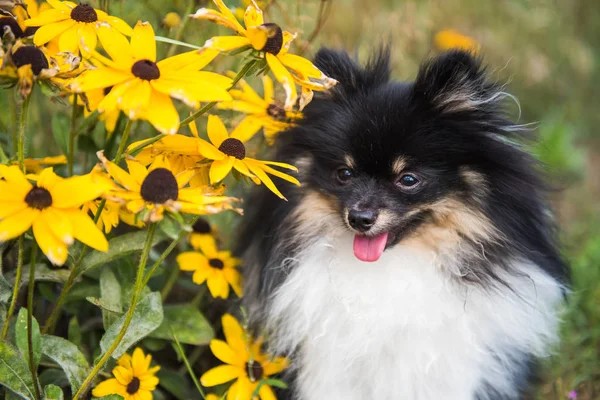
<point x="394" y="161"/>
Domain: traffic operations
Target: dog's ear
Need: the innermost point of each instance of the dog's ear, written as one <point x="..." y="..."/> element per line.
<point x="350" y="76"/>
<point x="455" y="82"/>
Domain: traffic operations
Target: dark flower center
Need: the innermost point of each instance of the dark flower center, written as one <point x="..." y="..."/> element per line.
<point x="30" y="55"/>
<point x="255" y="371"/>
<point x="107" y="90"/>
<point x="201" y="226"/>
<point x="233" y="147"/>
<point x="134" y="385"/>
<point x="145" y="69"/>
<point x="277" y="112"/>
<point x="274" y="38"/>
<point x="30" y="31"/>
<point x="159" y="186"/>
<point x="84" y="13"/>
<point x="216" y="263"/>
<point x="39" y="198"/>
<point x="7" y="23"/>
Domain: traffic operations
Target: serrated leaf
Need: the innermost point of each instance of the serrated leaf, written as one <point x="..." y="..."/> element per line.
<point x="74" y="333"/>
<point x="187" y="322"/>
<point x="53" y="392"/>
<point x="119" y="247"/>
<point x="21" y="336"/>
<point x="60" y="131"/>
<point x="69" y="357"/>
<point x="147" y="316"/>
<point x="14" y="373"/>
<point x="174" y="383"/>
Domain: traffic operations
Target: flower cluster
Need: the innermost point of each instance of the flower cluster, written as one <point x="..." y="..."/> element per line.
<point x="143" y="176"/>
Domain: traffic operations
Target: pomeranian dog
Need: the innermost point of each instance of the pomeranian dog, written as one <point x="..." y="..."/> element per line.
<point x="418" y="260"/>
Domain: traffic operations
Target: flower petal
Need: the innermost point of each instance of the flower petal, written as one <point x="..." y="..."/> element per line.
<point x="191" y="261"/>
<point x="117" y="47"/>
<point x="9" y="208"/>
<point x="234" y="334"/>
<point x="73" y="192"/>
<point x="217" y="285"/>
<point x="119" y="24"/>
<point x="223" y="352"/>
<point x="143" y="42"/>
<point x="275" y="366"/>
<point x="59" y="224"/>
<point x="59" y="5"/>
<point x="162" y="114"/>
<point x="47" y="17"/>
<point x="253" y="16"/>
<point x="88" y="39"/>
<point x="234" y="278"/>
<point x="100" y="78"/>
<point x="48" y="32"/>
<point x="220" y="374"/>
<point x="109" y="386"/>
<point x="284" y="77"/>
<point x="87" y="232"/>
<point x="217" y="132"/>
<point x="226" y="43"/>
<point x="228" y="14"/>
<point x="246" y="129"/>
<point x="256" y="169"/>
<point x="268" y="89"/>
<point x="51" y="246"/>
<point x="207" y="150"/>
<point x="123" y="374"/>
<point x="193" y="60"/>
<point x="137" y="97"/>
<point x="16" y="224"/>
<point x="220" y="168"/>
<point x="120" y="175"/>
<point x="266" y="393"/>
<point x="69" y="41"/>
<point x="218" y="18"/>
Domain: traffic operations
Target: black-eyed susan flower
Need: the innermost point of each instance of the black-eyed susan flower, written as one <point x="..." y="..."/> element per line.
<point x="271" y="41"/>
<point x="449" y="39"/>
<point x="216" y="268"/>
<point x="36" y="165"/>
<point x="51" y="207"/>
<point x="91" y="100"/>
<point x="75" y="25"/>
<point x="202" y="231"/>
<point x="142" y="87"/>
<point x="231" y="154"/>
<point x="266" y="113"/>
<point x="149" y="192"/>
<point x="109" y="217"/>
<point x="244" y="361"/>
<point x="134" y="378"/>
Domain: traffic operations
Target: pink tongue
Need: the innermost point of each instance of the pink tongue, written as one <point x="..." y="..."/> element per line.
<point x="369" y="249"/>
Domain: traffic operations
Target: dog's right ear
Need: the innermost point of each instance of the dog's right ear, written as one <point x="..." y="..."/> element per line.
<point x="350" y="76"/>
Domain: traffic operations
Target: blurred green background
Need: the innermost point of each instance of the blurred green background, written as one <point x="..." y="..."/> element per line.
<point x="548" y="55"/>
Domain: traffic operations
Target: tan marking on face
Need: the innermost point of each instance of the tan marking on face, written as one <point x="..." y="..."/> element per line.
<point x="316" y="214"/>
<point x="304" y="165"/>
<point x="476" y="182"/>
<point x="349" y="161"/>
<point x="398" y="165"/>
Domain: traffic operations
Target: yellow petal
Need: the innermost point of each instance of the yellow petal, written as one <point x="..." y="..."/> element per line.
<point x="162" y="114"/>
<point x="73" y="192"/>
<point x="51" y="246"/>
<point x="123" y="374"/>
<point x="253" y="16"/>
<point x="208" y="150"/>
<point x="223" y="352"/>
<point x="228" y="14"/>
<point x="191" y="260"/>
<point x="140" y="362"/>
<point x="217" y="285"/>
<point x="117" y="47"/>
<point x="100" y="78"/>
<point x="275" y="366"/>
<point x="218" y="18"/>
<point x="119" y="175"/>
<point x="243" y="106"/>
<point x="220" y="374"/>
<point x="112" y="100"/>
<point x="191" y="93"/>
<point x="256" y="169"/>
<point x="136" y="170"/>
<point x="274" y="172"/>
<point x="16" y="224"/>
<point x="69" y="41"/>
<point x="87" y="232"/>
<point x="192" y="60"/>
<point x="241" y="168"/>
<point x="227" y="43"/>
<point x="234" y="279"/>
<point x="59" y="5"/>
<point x="59" y="224"/>
<point x="200" y="275"/>
<point x="300" y="64"/>
<point x="136" y="98"/>
<point x="217" y="132"/>
<point x="109" y="386"/>
<point x="125" y="360"/>
<point x="143" y="42"/>
<point x="234" y="334"/>
<point x="47" y="32"/>
<point x="243" y="389"/>
<point x="258" y="36"/>
<point x="266" y="393"/>
<point x="220" y="168"/>
<point x="285" y="78"/>
<point x="119" y="24"/>
<point x="268" y="88"/>
<point x="46" y="17"/>
<point x="48" y="179"/>
<point x="9" y="208"/>
<point x="88" y="39"/>
<point x="246" y="129"/>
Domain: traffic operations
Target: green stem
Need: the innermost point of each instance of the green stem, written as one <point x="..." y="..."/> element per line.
<point x="3" y="158"/>
<point x="134" y="152"/>
<point x="210" y="105"/>
<point x="30" y="289"/>
<point x="134" y="298"/>
<point x="13" y="118"/>
<point x="123" y="143"/>
<point x="22" y="131"/>
<point x="50" y="323"/>
<point x="72" y="135"/>
<point x="187" y="364"/>
<point x="13" y="302"/>
<point x="182" y="27"/>
<point x="172" y="278"/>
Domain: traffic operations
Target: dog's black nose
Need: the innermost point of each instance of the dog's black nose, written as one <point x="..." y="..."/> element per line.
<point x="362" y="220"/>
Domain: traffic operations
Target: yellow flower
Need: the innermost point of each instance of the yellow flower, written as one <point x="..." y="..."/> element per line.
<point x="75" y="25"/>
<point x="231" y="154"/>
<point x="34" y="165"/>
<point x="211" y="396"/>
<point x="215" y="267"/>
<point x="134" y="379"/>
<point x="109" y="217"/>
<point x="202" y="232"/>
<point x="143" y="87"/>
<point x="274" y="43"/>
<point x="450" y="39"/>
<point x="91" y="100"/>
<point x="156" y="189"/>
<point x="245" y="362"/>
<point x="264" y="113"/>
<point x="51" y="206"/>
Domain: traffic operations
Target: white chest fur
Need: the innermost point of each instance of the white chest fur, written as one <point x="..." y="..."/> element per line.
<point x="401" y="328"/>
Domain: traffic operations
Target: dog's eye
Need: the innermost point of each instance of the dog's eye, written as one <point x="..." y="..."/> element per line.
<point x="408" y="181"/>
<point x="343" y="175"/>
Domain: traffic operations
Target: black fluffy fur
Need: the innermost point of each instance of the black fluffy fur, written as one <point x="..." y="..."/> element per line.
<point x="451" y="118"/>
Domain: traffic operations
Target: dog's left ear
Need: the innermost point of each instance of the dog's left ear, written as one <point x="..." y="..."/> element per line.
<point x="455" y="82"/>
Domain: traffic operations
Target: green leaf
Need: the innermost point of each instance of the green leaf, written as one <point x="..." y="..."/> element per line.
<point x="14" y="373"/>
<point x="53" y="376"/>
<point x="177" y="42"/>
<point x="74" y="332"/>
<point x="174" y="383"/>
<point x="187" y="322"/>
<point x="53" y="392"/>
<point x="109" y="397"/>
<point x="119" y="247"/>
<point x="60" y="130"/>
<point x="69" y="357"/>
<point x="147" y="316"/>
<point x="5" y="290"/>
<point x="21" y="336"/>
<point x="170" y="227"/>
<point x="42" y="274"/>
